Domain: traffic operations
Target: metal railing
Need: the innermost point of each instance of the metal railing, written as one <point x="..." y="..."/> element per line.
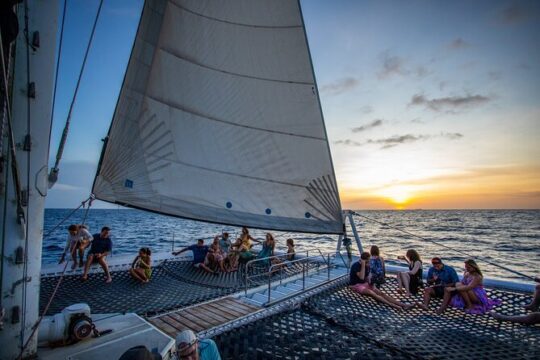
<point x="308" y="264"/>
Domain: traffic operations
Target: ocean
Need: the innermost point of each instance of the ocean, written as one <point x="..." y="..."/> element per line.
<point x="510" y="238"/>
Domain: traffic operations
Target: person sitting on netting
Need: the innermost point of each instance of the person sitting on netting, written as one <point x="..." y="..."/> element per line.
<point x="267" y="251"/>
<point x="529" y="319"/>
<point x="199" y="255"/>
<point x="469" y="294"/>
<point x="216" y="256"/>
<point x="77" y="241"/>
<point x="410" y="280"/>
<point x="189" y="347"/>
<point x="245" y="252"/>
<point x="359" y="282"/>
<point x="439" y="277"/>
<point x="377" y="270"/>
<point x="225" y="243"/>
<point x="141" y="267"/>
<point x="100" y="248"/>
<point x="290" y="250"/>
<point x="231" y="262"/>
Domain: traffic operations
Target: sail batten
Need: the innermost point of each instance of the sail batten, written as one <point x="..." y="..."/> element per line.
<point x="218" y="120"/>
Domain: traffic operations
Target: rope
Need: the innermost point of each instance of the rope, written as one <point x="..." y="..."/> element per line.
<point x="36" y="325"/>
<point x="53" y="175"/>
<point x="446" y="246"/>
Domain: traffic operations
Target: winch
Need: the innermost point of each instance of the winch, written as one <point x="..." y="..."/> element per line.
<point x="73" y="324"/>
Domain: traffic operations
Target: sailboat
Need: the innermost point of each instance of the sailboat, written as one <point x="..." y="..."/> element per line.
<point x="218" y="120"/>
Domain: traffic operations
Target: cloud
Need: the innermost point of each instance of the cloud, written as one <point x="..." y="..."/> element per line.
<point x="348" y="142"/>
<point x="396" y="140"/>
<point x="392" y="65"/>
<point x="366" y="109"/>
<point x="340" y="86"/>
<point x="417" y="121"/>
<point x="458" y="44"/>
<point x="449" y="103"/>
<point x="371" y="125"/>
<point x="515" y="14"/>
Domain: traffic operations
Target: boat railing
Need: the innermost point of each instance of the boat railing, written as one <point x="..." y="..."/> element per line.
<point x="325" y="258"/>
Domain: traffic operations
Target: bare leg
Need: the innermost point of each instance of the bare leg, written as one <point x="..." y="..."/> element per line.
<point x="533" y="305"/>
<point x="406" y="282"/>
<point x="136" y="275"/>
<point x="89" y="262"/>
<point x="399" y="279"/>
<point x="74" y="257"/>
<point x="81" y="255"/>
<point x="428" y="294"/>
<point x="206" y="268"/>
<point x="529" y="319"/>
<point x="142" y="275"/>
<point x="105" y="268"/>
<point x="446" y="300"/>
<point x="379" y="298"/>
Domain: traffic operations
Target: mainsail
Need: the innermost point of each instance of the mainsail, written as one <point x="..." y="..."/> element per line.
<point x="219" y="119"/>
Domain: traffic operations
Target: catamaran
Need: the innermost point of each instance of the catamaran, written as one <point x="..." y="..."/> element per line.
<point x="218" y="120"/>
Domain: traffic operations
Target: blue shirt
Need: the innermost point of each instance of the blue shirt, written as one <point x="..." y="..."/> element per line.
<point x="447" y="275"/>
<point x="353" y="277"/>
<point x="199" y="253"/>
<point x="208" y="350"/>
<point x="100" y="245"/>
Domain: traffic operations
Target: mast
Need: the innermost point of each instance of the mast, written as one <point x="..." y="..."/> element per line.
<point x="21" y="236"/>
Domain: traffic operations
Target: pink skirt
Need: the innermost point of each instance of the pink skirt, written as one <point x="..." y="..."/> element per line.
<point x="361" y="287"/>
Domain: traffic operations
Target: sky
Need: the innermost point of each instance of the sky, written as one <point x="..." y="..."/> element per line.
<point x="427" y="104"/>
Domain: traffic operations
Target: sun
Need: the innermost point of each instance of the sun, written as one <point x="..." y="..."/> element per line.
<point x="399" y="196"/>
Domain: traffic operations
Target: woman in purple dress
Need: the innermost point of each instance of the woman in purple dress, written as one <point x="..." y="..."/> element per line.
<point x="470" y="293"/>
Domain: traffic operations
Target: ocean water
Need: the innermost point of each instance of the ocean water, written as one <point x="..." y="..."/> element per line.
<point x="510" y="238"/>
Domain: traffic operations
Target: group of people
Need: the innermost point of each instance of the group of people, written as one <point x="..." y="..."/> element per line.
<point x="100" y="244"/>
<point x="368" y="274"/>
<point x="224" y="256"/>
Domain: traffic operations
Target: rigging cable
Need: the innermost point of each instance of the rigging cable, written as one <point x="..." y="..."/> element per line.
<point x="445" y="246"/>
<point x="58" y="65"/>
<point x="62" y="274"/>
<point x="53" y="175"/>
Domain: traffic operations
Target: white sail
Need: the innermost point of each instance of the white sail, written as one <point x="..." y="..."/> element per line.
<point x="219" y="119"/>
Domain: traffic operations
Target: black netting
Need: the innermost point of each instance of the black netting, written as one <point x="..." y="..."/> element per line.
<point x="341" y="324"/>
<point x="174" y="284"/>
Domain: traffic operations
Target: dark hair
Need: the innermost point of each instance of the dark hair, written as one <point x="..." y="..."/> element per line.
<point x="105" y="228"/>
<point x="225" y="234"/>
<point x="200" y="240"/>
<point x="148" y="251"/>
<point x="73" y="227"/>
<point x="413" y="255"/>
<point x="436" y="260"/>
<point x="290" y="241"/>
<point x="374" y="251"/>
<point x="365" y="255"/>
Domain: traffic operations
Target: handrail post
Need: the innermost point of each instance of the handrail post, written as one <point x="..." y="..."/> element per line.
<point x="328" y="266"/>
<point x="280" y="274"/>
<point x="269" y="283"/>
<point x="303" y="276"/>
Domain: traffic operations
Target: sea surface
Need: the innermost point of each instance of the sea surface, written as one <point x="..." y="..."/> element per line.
<point x="510" y="238"/>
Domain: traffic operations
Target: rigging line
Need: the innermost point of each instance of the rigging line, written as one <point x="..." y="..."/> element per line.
<point x="11" y="141"/>
<point x="58" y="62"/>
<point x="446" y="247"/>
<point x="64" y="219"/>
<point x="51" y="298"/>
<point x="53" y="176"/>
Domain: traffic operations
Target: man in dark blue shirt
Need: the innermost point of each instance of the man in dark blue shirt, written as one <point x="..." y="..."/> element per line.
<point x="100" y="248"/>
<point x="199" y="255"/>
<point x="439" y="277"/>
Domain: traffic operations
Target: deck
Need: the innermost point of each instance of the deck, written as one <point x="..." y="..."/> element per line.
<point x="202" y="317"/>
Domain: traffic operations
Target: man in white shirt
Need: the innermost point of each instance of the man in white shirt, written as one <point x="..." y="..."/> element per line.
<point x="77" y="241"/>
